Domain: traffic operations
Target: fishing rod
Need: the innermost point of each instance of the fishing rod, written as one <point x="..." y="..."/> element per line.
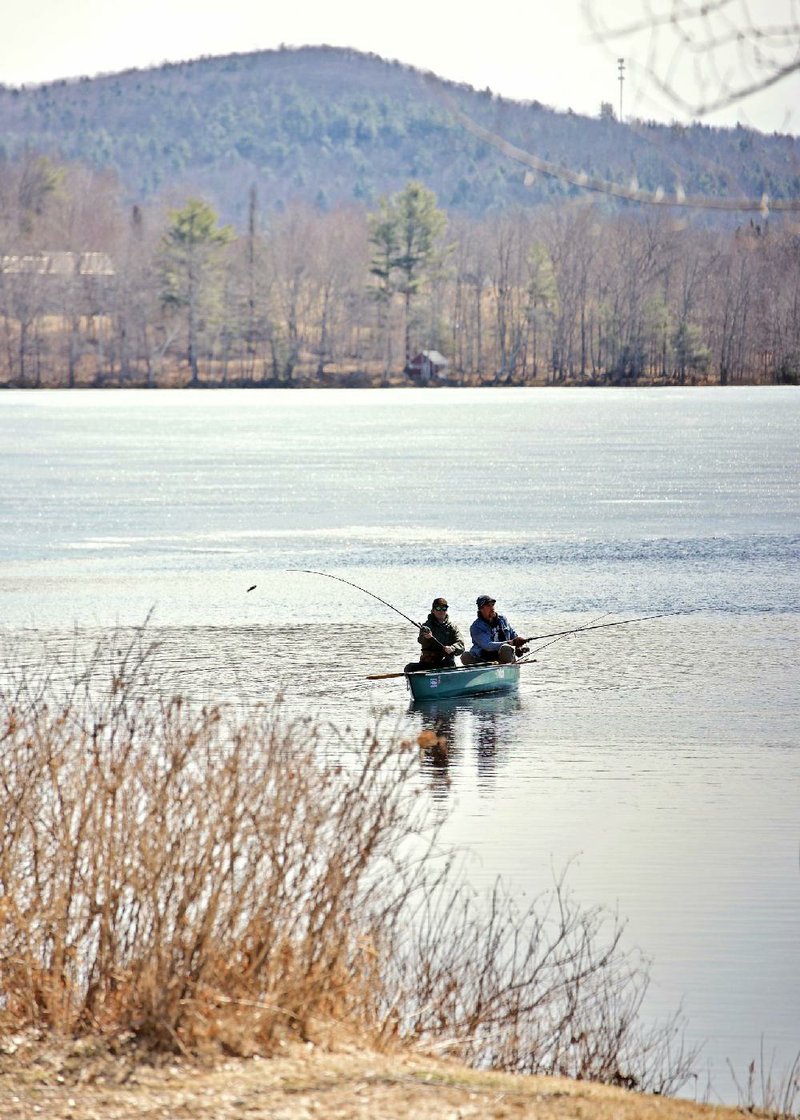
<point x="552" y="642"/>
<point x="602" y="626"/>
<point x="310" y="572"/>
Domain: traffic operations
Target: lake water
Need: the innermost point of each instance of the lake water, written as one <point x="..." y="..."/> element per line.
<point x="659" y="761"/>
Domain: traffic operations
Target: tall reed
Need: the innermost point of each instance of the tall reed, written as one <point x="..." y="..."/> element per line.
<point x="770" y="1092"/>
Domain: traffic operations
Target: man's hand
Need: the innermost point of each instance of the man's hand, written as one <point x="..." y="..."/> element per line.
<point x="518" y="642"/>
<point x="425" y="631"/>
<point x="448" y="650"/>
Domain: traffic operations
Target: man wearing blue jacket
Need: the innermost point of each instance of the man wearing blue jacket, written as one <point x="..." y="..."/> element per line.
<point x="493" y="638"/>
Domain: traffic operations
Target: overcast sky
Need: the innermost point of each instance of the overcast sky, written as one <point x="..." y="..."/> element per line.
<point x="525" y="49"/>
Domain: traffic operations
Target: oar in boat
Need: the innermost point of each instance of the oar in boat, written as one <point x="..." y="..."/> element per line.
<point x="388" y="676"/>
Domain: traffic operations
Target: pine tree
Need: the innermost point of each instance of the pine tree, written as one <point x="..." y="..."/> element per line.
<point x="190" y="266"/>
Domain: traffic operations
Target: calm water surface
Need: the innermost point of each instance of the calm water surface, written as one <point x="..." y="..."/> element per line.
<point x="659" y="762"/>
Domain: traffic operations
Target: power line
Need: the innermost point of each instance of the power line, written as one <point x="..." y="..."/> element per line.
<point x="634" y="193"/>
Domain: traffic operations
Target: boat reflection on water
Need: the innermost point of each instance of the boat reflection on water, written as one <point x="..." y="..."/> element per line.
<point x="452" y="728"/>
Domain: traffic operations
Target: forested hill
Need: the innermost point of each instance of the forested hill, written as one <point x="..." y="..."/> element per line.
<point x="330" y="125"/>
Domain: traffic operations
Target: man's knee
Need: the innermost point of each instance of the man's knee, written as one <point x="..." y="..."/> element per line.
<point x="468" y="659"/>
<point x="506" y="654"/>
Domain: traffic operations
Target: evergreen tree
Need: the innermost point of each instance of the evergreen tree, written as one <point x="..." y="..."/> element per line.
<point x="407" y="234"/>
<point x="190" y="267"/>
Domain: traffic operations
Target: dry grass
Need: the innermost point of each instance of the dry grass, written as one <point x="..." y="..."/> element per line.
<point x="770" y="1092"/>
<point x="75" y="1082"/>
<point x="206" y="880"/>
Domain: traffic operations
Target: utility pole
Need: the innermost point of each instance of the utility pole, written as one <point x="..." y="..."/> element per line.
<point x="621" y="70"/>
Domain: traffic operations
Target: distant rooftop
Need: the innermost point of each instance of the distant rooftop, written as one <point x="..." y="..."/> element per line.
<point x="58" y="264"/>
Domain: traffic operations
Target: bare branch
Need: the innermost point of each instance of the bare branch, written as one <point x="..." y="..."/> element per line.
<point x="733" y="55"/>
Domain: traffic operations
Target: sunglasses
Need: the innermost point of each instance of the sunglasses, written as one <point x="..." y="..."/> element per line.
<point x="444" y="608"/>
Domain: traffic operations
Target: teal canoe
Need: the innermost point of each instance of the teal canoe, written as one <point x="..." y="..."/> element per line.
<point x="471" y="681"/>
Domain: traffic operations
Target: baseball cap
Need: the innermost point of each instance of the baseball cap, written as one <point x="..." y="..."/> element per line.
<point x="484" y="599"/>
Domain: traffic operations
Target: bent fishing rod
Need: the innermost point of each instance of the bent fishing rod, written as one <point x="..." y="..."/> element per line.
<point x="416" y="625"/>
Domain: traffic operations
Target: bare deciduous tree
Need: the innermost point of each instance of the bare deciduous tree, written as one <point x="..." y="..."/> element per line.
<point x="721" y="47"/>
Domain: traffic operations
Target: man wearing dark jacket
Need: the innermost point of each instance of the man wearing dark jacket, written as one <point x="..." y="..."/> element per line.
<point x="440" y="640"/>
<point x="493" y="637"/>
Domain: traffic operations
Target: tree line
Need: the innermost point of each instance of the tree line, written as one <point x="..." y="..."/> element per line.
<point x="95" y="291"/>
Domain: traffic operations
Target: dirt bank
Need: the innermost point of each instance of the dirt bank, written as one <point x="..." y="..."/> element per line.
<point x="303" y="1082"/>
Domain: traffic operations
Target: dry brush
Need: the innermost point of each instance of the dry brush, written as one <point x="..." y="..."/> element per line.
<point x="207" y="878"/>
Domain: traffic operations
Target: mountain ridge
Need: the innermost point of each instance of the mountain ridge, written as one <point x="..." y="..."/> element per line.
<point x="332" y="125"/>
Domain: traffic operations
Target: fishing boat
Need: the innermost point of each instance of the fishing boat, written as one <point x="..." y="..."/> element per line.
<point x="472" y="680"/>
<point x="467" y="681"/>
